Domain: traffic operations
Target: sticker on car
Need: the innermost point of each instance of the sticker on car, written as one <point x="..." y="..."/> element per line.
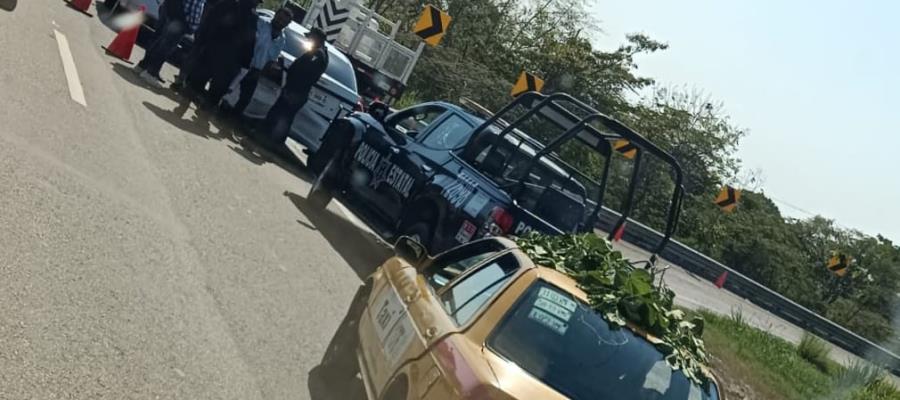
<point x="466" y="231"/>
<point x="548" y="321"/>
<point x="392" y="325"/>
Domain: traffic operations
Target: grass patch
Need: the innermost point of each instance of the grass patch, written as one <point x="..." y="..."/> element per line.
<point x="769" y="365"/>
<point x="751" y="363"/>
<point x="815" y="351"/>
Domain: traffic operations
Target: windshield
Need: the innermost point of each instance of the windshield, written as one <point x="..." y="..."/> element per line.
<point x="338" y="67"/>
<point x="565" y="344"/>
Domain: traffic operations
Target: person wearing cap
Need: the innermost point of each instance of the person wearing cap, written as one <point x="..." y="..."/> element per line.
<point x="303" y="73"/>
<point x="229" y="34"/>
<point x="270" y="39"/>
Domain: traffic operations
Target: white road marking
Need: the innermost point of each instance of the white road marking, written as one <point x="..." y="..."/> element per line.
<point x="76" y="92"/>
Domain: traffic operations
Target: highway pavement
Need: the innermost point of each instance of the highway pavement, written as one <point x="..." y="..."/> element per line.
<point x="145" y="254"/>
<point x="148" y="252"/>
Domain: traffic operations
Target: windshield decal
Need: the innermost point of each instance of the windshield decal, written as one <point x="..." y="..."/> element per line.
<point x="555" y="297"/>
<point x="383" y="170"/>
<point x="548" y="320"/>
<point x="553" y="308"/>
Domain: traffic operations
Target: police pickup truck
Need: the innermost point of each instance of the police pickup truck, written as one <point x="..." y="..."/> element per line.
<point x="445" y="175"/>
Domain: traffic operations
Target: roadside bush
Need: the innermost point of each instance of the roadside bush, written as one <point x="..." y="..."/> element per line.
<point x="815" y="351"/>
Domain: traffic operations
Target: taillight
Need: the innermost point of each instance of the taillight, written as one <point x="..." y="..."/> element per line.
<point x="501" y="222"/>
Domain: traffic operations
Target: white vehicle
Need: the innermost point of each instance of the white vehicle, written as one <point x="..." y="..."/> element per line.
<point x="334" y="94"/>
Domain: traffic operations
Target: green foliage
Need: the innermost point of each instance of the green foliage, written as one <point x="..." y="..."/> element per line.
<point x="764" y="358"/>
<point x="777" y="369"/>
<point x="815" y="351"/>
<point x="624" y="295"/>
<point x="491" y="41"/>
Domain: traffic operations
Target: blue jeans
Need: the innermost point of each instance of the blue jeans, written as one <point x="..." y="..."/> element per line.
<point x="168" y="34"/>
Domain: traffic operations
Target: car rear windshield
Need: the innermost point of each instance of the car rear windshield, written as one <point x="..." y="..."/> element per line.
<point x="565" y="344"/>
<point x="338" y="67"/>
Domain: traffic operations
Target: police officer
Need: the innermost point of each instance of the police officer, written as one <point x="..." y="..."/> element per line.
<point x="303" y="73"/>
<point x="229" y="34"/>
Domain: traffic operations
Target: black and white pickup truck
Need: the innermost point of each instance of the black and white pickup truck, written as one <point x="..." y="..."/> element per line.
<point x="445" y="174"/>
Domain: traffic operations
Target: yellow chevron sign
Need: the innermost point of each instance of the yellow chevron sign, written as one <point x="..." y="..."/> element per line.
<point x="728" y="198"/>
<point x="432" y="25"/>
<point x="527" y="82"/>
<point x="839" y="264"/>
<point x="625" y="148"/>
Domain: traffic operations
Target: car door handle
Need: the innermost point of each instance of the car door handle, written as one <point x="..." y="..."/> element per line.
<point x="395" y="150"/>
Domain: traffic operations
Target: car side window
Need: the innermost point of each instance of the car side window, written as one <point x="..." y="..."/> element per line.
<point x="464" y="298"/>
<point x="448" y="134"/>
<point x="412" y="122"/>
<point x="450" y="265"/>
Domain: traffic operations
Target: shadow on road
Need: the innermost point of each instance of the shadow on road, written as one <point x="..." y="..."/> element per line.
<point x="361" y="250"/>
<point x="127" y="73"/>
<point x="8" y="5"/>
<point x="198" y="126"/>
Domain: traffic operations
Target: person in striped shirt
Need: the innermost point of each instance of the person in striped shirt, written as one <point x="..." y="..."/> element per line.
<point x="176" y="19"/>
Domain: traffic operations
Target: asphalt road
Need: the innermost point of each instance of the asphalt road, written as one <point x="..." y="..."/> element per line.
<point x="146" y="253"/>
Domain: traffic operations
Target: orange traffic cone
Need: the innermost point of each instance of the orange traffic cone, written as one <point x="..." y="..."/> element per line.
<point x="720" y="282"/>
<point x="122" y="45"/>
<point x="81" y="5"/>
<point x="619" y="232"/>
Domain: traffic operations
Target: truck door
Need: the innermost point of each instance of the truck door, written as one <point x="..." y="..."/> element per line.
<point x="389" y="175"/>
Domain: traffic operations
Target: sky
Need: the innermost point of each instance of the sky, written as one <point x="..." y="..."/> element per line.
<point x="814" y="82"/>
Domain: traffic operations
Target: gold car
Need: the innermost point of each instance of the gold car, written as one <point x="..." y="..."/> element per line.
<point x="483" y="322"/>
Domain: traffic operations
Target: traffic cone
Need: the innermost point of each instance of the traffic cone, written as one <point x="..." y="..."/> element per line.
<point x="122" y="45"/>
<point x="619" y="232"/>
<point x="81" y="5"/>
<point x="720" y="281"/>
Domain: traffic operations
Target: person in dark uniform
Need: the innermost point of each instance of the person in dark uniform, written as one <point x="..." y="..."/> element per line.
<point x="229" y="35"/>
<point x="303" y="73"/>
<point x="270" y="40"/>
<point x="194" y="56"/>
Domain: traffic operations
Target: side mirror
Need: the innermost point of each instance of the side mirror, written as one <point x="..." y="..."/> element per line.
<point x="411" y="250"/>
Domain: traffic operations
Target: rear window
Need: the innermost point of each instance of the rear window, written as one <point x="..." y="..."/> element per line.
<point x="565" y="344"/>
<point x="338" y="68"/>
<point x="450" y="134"/>
<point x="464" y="298"/>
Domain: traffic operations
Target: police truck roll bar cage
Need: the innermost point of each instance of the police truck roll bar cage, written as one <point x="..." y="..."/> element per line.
<point x="558" y="109"/>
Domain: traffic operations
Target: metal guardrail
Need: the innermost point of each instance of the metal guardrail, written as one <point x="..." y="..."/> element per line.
<point x="646" y="238"/>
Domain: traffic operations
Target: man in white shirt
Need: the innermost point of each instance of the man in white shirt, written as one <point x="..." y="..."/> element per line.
<point x="269" y="44"/>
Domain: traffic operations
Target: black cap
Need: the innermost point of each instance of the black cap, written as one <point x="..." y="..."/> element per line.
<point x="317" y="33"/>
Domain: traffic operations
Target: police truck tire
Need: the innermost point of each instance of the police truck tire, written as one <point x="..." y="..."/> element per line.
<point x="319" y="193"/>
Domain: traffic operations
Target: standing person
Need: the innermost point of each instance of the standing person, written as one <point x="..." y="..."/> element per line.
<point x="176" y="19"/>
<point x="230" y="36"/>
<point x="303" y="73"/>
<point x="193" y="57"/>
<point x="269" y="44"/>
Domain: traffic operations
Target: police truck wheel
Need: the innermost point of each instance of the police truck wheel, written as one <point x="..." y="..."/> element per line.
<point x="319" y="194"/>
